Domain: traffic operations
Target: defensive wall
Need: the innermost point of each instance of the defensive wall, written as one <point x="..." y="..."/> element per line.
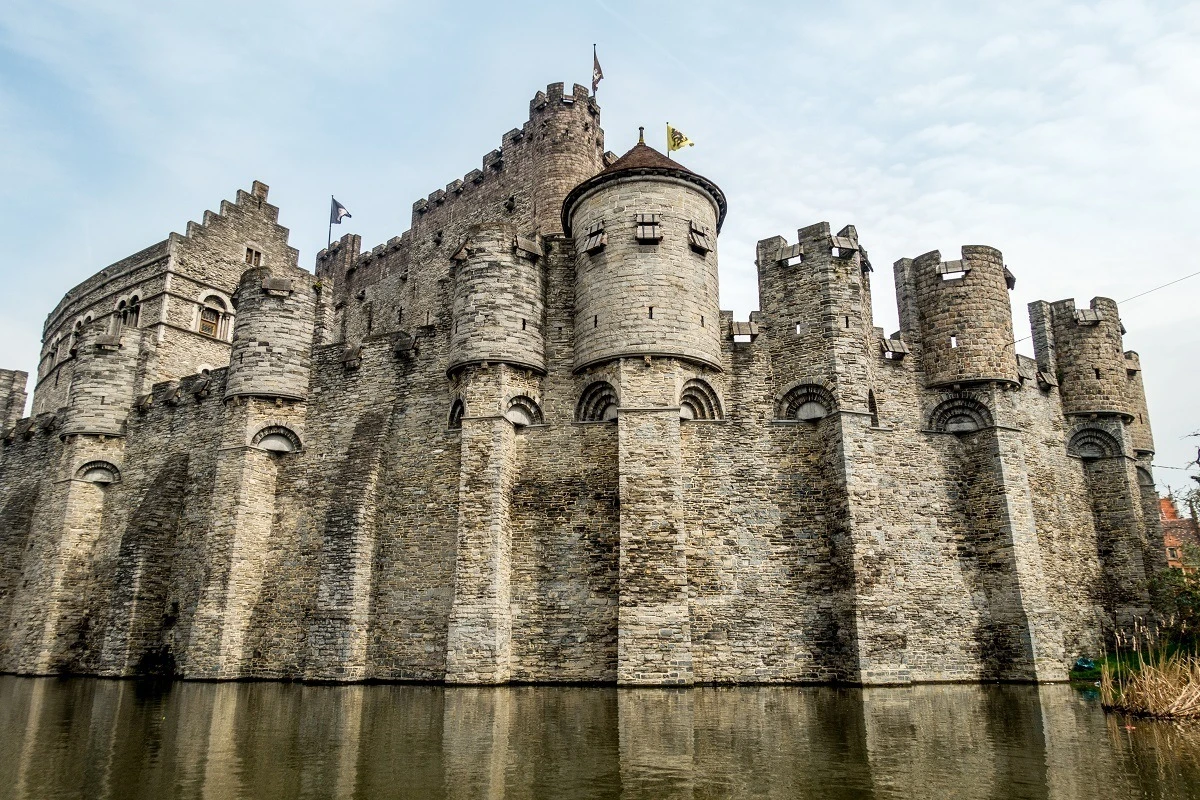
<point x="521" y="442"/>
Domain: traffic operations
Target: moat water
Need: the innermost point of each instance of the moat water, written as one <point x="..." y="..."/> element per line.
<point x="85" y="738"/>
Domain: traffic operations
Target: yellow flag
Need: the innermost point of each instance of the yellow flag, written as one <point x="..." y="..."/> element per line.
<point x="676" y="140"/>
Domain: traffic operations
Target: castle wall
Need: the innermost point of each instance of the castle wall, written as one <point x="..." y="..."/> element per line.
<point x="597" y="494"/>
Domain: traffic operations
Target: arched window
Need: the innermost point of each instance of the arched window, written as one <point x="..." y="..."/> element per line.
<point x="523" y="411"/>
<point x="807" y="402"/>
<point x="277" y="439"/>
<point x="960" y="415"/>
<point x="457" y="411"/>
<point x="598" y="403"/>
<point x="101" y="473"/>
<point x="133" y="312"/>
<point x="214" y="318"/>
<point x="75" y="334"/>
<point x="1092" y="443"/>
<point x="697" y="400"/>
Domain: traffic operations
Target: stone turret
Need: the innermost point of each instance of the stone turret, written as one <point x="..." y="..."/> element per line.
<point x="12" y="396"/>
<point x="960" y="312"/>
<point x="272" y="335"/>
<point x="499" y="300"/>
<point x="645" y="233"/>
<point x="1090" y="358"/>
<point x="568" y="148"/>
<point x="102" y="386"/>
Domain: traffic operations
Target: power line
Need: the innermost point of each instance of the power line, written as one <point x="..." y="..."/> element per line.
<point x="1156" y="288"/>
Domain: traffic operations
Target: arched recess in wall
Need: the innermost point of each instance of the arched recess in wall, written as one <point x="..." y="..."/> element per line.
<point x="128" y="313"/>
<point x="1091" y="443"/>
<point x="1144" y="477"/>
<point x="697" y="400"/>
<point x="277" y="439"/>
<point x="807" y="402"/>
<point x="960" y="415"/>
<point x="458" y="410"/>
<point x="214" y="315"/>
<point x="101" y="473"/>
<point x="523" y="410"/>
<point x="598" y="403"/>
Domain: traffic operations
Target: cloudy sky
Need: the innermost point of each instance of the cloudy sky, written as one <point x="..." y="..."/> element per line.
<point x="1067" y="135"/>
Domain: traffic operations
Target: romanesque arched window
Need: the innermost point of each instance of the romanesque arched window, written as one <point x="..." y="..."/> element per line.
<point x="598" y="403"/>
<point x="807" y="402"/>
<point x="960" y="415"/>
<point x="523" y="411"/>
<point x="458" y="410"/>
<point x="1092" y="443"/>
<point x="101" y="473"/>
<point x="215" y="318"/>
<point x="277" y="439"/>
<point x="697" y="400"/>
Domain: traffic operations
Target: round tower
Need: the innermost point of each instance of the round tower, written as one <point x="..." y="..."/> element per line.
<point x="964" y="316"/>
<point x="101" y="393"/>
<point x="568" y="148"/>
<point x="272" y="335"/>
<point x="499" y="300"/>
<point x="645" y="233"/>
<point x="1091" y="364"/>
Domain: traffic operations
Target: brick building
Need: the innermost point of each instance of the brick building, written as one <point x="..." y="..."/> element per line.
<point x="522" y="442"/>
<point x="1179" y="534"/>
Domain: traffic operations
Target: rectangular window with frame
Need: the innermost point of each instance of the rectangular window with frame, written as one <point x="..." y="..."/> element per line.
<point x="596" y="238"/>
<point x="699" y="237"/>
<point x="649" y="231"/>
<point x="210" y="321"/>
<point x="253" y="257"/>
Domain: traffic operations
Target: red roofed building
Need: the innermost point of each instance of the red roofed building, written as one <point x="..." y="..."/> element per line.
<point x="1178" y="532"/>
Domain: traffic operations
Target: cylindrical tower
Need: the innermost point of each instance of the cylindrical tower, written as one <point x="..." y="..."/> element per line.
<point x="567" y="147"/>
<point x="964" y="317"/>
<point x="499" y="300"/>
<point x="1091" y="364"/>
<point x="272" y="335"/>
<point x="101" y="393"/>
<point x="1139" y="429"/>
<point x="645" y="233"/>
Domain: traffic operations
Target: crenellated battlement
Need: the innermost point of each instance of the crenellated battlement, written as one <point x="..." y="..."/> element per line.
<point x="557" y="120"/>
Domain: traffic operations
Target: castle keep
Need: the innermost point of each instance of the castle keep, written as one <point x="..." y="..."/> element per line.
<point x="522" y="442"/>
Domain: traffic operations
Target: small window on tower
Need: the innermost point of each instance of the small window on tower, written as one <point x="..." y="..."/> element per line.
<point x="649" y="231"/>
<point x="596" y="238"/>
<point x="699" y="237"/>
<point x="253" y="257"/>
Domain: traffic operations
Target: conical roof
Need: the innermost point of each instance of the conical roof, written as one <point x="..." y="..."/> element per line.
<point x="642" y="159"/>
<point x="641" y="156"/>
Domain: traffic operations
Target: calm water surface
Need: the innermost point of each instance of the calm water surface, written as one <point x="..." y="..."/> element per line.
<point x="84" y="738"/>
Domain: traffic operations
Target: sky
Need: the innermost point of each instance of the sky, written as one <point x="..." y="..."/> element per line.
<point x="1066" y="135"/>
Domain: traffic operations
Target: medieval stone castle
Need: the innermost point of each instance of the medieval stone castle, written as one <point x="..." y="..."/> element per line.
<point x="522" y="442"/>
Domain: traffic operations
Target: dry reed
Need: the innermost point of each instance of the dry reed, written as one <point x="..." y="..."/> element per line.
<point x="1153" y="683"/>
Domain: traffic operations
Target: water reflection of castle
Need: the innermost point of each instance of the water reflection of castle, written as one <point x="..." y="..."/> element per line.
<point x="100" y="739"/>
<point x="522" y="442"/>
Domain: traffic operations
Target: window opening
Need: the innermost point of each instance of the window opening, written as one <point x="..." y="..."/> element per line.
<point x="596" y="238"/>
<point x="954" y="341"/>
<point x="699" y="238"/>
<point x="648" y="230"/>
<point x="873" y="408"/>
<point x="651" y="312"/>
<point x="253" y="257"/>
<point x="210" y="320"/>
<point x="1097" y="373"/>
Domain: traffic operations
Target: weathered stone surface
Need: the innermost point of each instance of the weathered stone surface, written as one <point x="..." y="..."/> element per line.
<point x="490" y="450"/>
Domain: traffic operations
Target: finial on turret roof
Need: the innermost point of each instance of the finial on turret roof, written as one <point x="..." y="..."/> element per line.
<point x="641" y="135"/>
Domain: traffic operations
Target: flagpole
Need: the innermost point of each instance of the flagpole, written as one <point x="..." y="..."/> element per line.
<point x="329" y="241"/>
<point x="668" y="140"/>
